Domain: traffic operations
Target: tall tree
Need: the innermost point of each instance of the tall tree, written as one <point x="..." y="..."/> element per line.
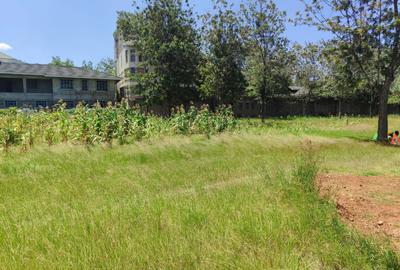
<point x="309" y="70"/>
<point x="87" y="65"/>
<point x="164" y="34"/>
<point x="267" y="64"/>
<point x="107" y="65"/>
<point x="57" y="61"/>
<point x="370" y="35"/>
<point x="342" y="81"/>
<point x="222" y="77"/>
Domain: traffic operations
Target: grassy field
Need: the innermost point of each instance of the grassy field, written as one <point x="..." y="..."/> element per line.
<point x="241" y="200"/>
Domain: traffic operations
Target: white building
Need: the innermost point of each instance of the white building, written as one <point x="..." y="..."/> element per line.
<point x="127" y="62"/>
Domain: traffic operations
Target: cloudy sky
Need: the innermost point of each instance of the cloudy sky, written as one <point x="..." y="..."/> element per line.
<point x="34" y="31"/>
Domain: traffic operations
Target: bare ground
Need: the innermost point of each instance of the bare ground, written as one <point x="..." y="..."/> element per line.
<point x="370" y="203"/>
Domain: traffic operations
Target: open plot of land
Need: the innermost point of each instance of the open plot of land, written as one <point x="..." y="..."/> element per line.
<point x="371" y="203"/>
<point x="236" y="201"/>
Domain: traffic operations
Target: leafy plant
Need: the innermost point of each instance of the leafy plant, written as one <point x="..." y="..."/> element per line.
<point x="91" y="125"/>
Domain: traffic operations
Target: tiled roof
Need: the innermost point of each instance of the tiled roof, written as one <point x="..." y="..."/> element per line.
<point x="52" y="71"/>
<point x="6" y="58"/>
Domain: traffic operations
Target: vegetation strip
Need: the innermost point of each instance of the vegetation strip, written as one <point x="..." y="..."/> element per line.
<point x="111" y="207"/>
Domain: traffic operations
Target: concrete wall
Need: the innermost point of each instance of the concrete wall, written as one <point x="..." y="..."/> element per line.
<point x="77" y="94"/>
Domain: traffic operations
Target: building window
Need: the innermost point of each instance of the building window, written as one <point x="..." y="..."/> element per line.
<point x="133" y="70"/>
<point x="140" y="58"/>
<point x="41" y="103"/>
<point x="67" y="84"/>
<point x="133" y="56"/>
<point x="84" y="85"/>
<point x="10" y="103"/>
<point x="126" y="56"/>
<point x="32" y="84"/>
<point x="102" y="86"/>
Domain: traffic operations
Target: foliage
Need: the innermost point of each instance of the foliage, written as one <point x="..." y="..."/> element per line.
<point x="57" y="61"/>
<point x="368" y="33"/>
<point x="106" y="65"/>
<point x="309" y="68"/>
<point x="92" y="125"/>
<point x="163" y="34"/>
<point x="221" y="70"/>
<point x="202" y="121"/>
<point x="88" y="65"/>
<point x="267" y="65"/>
<point x="232" y="201"/>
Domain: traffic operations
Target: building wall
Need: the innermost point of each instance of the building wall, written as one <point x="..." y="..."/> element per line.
<point x="123" y="53"/>
<point x="71" y="96"/>
<point x="123" y="56"/>
<point x="77" y="94"/>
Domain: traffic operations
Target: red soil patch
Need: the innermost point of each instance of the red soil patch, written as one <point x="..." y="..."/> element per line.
<point x="370" y="203"/>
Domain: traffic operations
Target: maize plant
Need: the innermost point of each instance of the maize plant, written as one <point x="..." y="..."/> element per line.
<point x="90" y="125"/>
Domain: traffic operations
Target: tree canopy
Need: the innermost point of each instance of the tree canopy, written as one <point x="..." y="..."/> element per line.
<point x="164" y="34"/>
<point x="368" y="34"/>
<point x="267" y="64"/>
<point x="230" y="54"/>
<point x="57" y="61"/>
<point x="223" y="61"/>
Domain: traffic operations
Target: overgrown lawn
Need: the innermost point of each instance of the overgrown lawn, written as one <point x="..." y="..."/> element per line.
<point x="234" y="201"/>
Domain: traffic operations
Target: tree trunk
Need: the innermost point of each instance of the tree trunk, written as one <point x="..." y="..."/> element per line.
<point x="383" y="112"/>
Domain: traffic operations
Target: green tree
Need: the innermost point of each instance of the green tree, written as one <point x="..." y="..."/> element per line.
<point x="57" y="61"/>
<point x="107" y="65"/>
<point x="87" y="65"/>
<point x="164" y="35"/>
<point x="309" y="70"/>
<point x="222" y="77"/>
<point x="342" y="81"/>
<point x="267" y="65"/>
<point x="369" y="32"/>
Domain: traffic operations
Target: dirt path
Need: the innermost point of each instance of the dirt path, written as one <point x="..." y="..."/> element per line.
<point x="370" y="203"/>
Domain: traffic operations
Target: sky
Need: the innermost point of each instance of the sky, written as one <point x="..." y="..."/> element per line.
<point x="35" y="30"/>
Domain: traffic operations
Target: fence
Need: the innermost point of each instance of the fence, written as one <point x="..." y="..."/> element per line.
<point x="281" y="107"/>
<point x="296" y="107"/>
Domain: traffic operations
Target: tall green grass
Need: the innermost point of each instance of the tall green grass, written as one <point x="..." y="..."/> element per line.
<point x="239" y="201"/>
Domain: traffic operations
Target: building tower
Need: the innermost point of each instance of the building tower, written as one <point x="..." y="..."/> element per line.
<point x="127" y="62"/>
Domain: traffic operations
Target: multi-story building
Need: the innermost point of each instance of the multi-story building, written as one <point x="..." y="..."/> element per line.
<point x="37" y="85"/>
<point x="127" y="62"/>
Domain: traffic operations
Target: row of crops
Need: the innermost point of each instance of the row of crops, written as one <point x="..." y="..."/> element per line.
<point x="113" y="124"/>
